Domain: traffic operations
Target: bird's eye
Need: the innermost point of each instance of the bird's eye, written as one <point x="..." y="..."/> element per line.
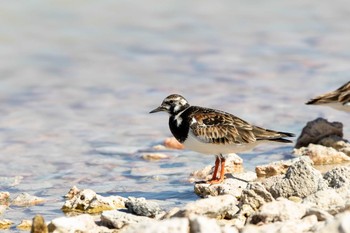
<point x="171" y="101"/>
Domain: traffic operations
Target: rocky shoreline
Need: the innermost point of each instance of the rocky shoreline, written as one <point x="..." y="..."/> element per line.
<point x="285" y="196"/>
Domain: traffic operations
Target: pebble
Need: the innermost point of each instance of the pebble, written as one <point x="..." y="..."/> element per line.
<point x="154" y="156"/>
<point x="172" y="143"/>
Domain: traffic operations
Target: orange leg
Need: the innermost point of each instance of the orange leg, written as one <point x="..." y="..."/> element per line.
<point x="217" y="162"/>
<point x="214" y="179"/>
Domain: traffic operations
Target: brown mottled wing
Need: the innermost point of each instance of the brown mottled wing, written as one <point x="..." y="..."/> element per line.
<point x="214" y="126"/>
<point x="342" y="95"/>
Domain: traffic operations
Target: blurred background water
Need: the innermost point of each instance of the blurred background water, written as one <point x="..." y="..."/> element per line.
<point x="78" y="78"/>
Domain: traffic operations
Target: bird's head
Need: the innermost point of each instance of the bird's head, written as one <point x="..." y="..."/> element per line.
<point x="172" y="104"/>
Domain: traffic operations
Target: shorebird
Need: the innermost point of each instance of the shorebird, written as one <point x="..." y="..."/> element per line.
<point x="338" y="99"/>
<point x="211" y="131"/>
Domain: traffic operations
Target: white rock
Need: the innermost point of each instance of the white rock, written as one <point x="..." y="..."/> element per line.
<point x="340" y="224"/>
<point x="118" y="219"/>
<point x="173" y="225"/>
<point x="322" y="155"/>
<point x="325" y="199"/>
<point x="88" y="201"/>
<point x="25" y="199"/>
<point x="142" y="207"/>
<point x="255" y="195"/>
<point x="306" y="224"/>
<point x="279" y="210"/>
<point x="214" y="207"/>
<point x="300" y="180"/>
<point x="232" y="185"/>
<point x="338" y="177"/>
<point x="201" y="224"/>
<point x="80" y="223"/>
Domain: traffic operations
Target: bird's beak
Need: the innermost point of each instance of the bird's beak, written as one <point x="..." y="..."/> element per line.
<point x="159" y="109"/>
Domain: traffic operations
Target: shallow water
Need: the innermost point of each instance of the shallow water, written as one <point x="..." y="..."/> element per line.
<point x="78" y="80"/>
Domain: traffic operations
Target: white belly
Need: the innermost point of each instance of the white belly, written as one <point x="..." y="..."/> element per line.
<point x="192" y="143"/>
<point x="339" y="106"/>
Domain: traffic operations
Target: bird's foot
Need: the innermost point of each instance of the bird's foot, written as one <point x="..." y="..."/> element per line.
<point x="216" y="181"/>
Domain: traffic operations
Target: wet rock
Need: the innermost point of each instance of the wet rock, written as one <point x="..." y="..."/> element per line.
<point x="172" y="143"/>
<point x="173" y="225"/>
<point x="279" y="210"/>
<point x="118" y="219"/>
<point x="142" y="207"/>
<point x="5" y="223"/>
<point x="316" y="130"/>
<point x="338" y="177"/>
<point x="306" y="224"/>
<point x="154" y="156"/>
<point x="256" y="196"/>
<point x="337" y="143"/>
<point x="25" y="199"/>
<point x="25" y="225"/>
<point x="38" y="225"/>
<point x="232" y="185"/>
<point x="218" y="207"/>
<point x="340" y="224"/>
<point x="274" y="168"/>
<point x="322" y="155"/>
<point x="88" y="201"/>
<point x="234" y="164"/>
<point x="202" y="224"/>
<point x="79" y="223"/>
<point x="300" y="180"/>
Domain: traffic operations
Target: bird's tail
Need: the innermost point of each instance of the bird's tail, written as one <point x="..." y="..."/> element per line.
<point x="271" y="135"/>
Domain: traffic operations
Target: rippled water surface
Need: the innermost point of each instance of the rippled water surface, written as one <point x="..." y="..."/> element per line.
<point x="77" y="80"/>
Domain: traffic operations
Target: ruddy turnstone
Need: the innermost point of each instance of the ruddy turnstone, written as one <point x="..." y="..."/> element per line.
<point x="338" y="99"/>
<point x="211" y="131"/>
